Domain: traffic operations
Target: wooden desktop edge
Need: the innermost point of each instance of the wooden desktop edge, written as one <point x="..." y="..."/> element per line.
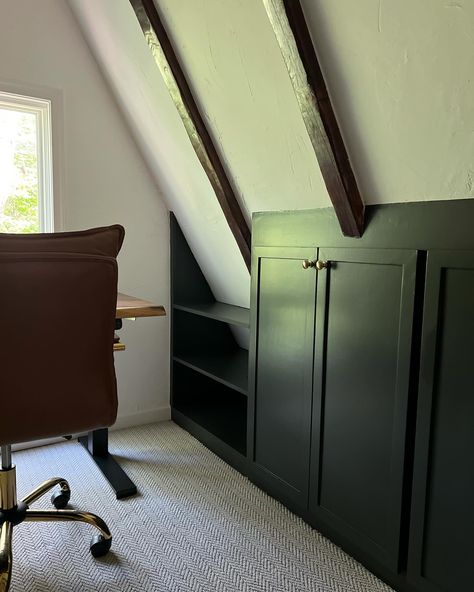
<point x="131" y="307"/>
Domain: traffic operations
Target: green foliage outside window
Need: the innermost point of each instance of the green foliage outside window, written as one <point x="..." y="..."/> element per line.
<point x="19" y="212"/>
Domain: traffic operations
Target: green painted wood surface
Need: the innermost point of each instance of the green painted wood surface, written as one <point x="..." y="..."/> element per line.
<point x="228" y="367"/>
<point x="365" y="304"/>
<point x="441" y="542"/>
<point x="209" y="371"/>
<point x="420" y="225"/>
<point x="283" y="390"/>
<point x="219" y="311"/>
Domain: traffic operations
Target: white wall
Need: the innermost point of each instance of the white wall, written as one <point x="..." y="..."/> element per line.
<point x="400" y="75"/>
<point x="114" y="34"/>
<point x="103" y="180"/>
<point x="234" y="66"/>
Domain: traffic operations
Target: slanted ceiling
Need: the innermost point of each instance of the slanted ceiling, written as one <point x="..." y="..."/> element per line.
<point x="399" y="76"/>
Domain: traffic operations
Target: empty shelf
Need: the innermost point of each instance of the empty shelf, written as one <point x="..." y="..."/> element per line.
<point x="227" y="313"/>
<point x="229" y="368"/>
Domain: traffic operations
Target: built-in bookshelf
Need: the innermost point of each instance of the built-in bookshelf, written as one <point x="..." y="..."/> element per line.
<point x="209" y="369"/>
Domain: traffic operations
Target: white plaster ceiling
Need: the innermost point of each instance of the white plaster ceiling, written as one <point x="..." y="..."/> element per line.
<point x="234" y="66"/>
<point x="400" y="78"/>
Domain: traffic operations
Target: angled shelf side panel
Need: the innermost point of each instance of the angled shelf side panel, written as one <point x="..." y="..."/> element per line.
<point x="188" y="283"/>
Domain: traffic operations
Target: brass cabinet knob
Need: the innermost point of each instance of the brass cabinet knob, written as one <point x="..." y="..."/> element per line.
<point x="307" y="264"/>
<point x="320" y="265"/>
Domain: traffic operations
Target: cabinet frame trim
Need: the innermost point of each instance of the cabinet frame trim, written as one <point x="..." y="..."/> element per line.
<point x="438" y="261"/>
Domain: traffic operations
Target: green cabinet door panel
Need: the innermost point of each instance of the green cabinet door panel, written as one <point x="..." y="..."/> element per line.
<point x="283" y="330"/>
<point x="364" y="321"/>
<point x="441" y="546"/>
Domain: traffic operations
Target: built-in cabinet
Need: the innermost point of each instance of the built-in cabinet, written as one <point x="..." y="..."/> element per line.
<point x="209" y="368"/>
<point x="332" y="378"/>
<point x="359" y="411"/>
<point x="361" y="408"/>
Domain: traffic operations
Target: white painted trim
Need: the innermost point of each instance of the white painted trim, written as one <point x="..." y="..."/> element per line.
<point x="124" y="421"/>
<point x="36" y="443"/>
<point x="55" y="98"/>
<point x="142" y="418"/>
<point x="46" y="171"/>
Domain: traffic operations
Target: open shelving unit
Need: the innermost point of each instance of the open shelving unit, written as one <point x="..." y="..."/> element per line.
<point x="209" y="370"/>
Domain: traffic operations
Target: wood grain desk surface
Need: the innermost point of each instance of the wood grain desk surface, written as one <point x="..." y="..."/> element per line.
<point x="131" y="307"/>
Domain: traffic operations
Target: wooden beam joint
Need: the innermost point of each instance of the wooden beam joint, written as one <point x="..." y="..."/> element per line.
<point x="293" y="37"/>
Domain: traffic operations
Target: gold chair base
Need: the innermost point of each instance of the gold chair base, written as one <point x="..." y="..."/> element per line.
<point x="5" y="556"/>
<point x="101" y="543"/>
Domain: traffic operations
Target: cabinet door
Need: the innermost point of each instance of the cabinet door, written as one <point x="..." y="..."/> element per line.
<point x="441" y="537"/>
<point x="365" y="307"/>
<point x="283" y="300"/>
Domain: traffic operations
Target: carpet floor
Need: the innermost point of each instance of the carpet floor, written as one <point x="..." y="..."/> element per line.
<point x="197" y="525"/>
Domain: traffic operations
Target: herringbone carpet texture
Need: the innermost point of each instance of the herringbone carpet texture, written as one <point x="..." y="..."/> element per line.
<point x="197" y="526"/>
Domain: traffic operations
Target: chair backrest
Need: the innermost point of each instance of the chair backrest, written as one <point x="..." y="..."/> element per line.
<point x="58" y="296"/>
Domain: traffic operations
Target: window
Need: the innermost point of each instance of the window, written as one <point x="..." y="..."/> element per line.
<point x="26" y="167"/>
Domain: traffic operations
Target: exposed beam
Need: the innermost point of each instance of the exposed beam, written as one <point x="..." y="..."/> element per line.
<point x="178" y="87"/>
<point x="293" y="37"/>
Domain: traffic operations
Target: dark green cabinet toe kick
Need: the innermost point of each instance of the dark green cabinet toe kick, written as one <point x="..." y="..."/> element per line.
<point x="358" y="412"/>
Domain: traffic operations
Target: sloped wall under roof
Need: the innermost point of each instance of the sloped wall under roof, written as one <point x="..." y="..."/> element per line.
<point x="400" y="77"/>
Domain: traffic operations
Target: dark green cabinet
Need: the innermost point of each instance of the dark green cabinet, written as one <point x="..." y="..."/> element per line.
<point x="360" y="408"/>
<point x="364" y="320"/>
<point x="332" y="351"/>
<point x="441" y="542"/>
<point x="283" y="318"/>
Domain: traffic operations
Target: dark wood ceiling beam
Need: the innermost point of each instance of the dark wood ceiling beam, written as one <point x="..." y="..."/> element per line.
<point x="293" y="37"/>
<point x="179" y="89"/>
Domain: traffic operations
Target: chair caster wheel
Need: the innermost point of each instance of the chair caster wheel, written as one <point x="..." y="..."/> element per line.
<point x="100" y="546"/>
<point x="60" y="499"/>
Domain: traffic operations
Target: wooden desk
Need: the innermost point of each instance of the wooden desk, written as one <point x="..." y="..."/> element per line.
<point x="97" y="441"/>
<point x="129" y="307"/>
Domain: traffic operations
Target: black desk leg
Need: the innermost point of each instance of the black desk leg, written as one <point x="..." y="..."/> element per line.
<point x="97" y="444"/>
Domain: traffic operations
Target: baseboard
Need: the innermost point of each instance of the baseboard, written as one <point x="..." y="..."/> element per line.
<point x="142" y="418"/>
<point x="123" y="421"/>
<point x="36" y="443"/>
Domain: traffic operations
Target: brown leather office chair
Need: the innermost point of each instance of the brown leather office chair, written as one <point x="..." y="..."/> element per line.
<point x="58" y="296"/>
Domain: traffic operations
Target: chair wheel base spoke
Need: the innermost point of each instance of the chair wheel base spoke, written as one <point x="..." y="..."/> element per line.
<point x="100" y="546"/>
<point x="60" y="499"/>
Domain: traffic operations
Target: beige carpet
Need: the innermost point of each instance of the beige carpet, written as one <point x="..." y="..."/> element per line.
<point x="197" y="526"/>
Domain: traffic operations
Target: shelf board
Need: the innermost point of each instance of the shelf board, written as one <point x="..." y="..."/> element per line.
<point x="228" y="421"/>
<point x="232" y="451"/>
<point x="229" y="368"/>
<point x="227" y="313"/>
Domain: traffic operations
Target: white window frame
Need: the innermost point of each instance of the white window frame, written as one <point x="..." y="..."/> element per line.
<point x="41" y="108"/>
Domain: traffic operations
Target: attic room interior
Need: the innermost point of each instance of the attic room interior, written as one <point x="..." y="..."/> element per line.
<point x="236" y="304"/>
